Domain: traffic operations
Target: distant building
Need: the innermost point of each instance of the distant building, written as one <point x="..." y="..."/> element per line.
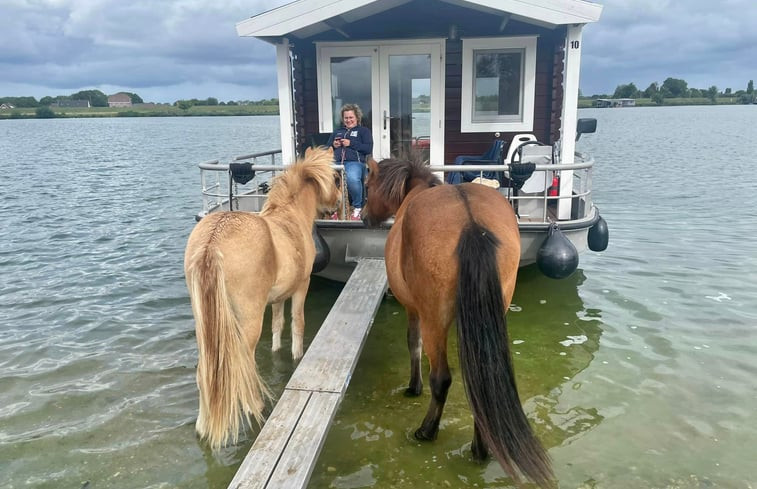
<point x="71" y="103"/>
<point x="119" y="100"/>
<point x="615" y="102"/>
<point x="7" y="106"/>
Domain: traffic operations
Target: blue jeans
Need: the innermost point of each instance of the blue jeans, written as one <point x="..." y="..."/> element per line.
<point x="355" y="171"/>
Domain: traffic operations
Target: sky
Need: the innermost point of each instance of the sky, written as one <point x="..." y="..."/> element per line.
<point x="166" y="50"/>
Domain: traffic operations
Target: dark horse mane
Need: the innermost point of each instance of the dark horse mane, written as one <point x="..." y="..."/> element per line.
<point x="396" y="173"/>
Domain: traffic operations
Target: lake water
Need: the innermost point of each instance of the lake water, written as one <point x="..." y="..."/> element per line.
<point x="638" y="371"/>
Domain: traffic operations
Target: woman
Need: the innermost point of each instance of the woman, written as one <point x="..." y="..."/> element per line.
<point x="352" y="143"/>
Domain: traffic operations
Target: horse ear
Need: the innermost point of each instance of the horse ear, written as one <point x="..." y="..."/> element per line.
<point x="371" y="164"/>
<point x="308" y="150"/>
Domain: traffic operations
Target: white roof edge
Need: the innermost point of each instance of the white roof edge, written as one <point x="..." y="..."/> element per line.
<point x="294" y="16"/>
<point x="302" y="13"/>
<point x="556" y="12"/>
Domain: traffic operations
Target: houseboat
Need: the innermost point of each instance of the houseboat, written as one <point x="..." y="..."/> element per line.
<point x="439" y="78"/>
<point x="614" y="102"/>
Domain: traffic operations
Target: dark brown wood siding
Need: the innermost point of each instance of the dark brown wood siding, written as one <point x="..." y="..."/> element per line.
<point x="546" y="106"/>
<point x="306" y="94"/>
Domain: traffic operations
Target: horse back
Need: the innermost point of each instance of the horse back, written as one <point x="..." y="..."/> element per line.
<point x="243" y="241"/>
<point x="422" y="245"/>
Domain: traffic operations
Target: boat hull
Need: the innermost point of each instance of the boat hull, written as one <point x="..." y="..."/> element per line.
<point x="350" y="240"/>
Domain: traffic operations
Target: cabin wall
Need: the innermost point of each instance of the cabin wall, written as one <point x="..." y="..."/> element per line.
<point x="547" y="101"/>
<point x="437" y="19"/>
<point x="305" y="95"/>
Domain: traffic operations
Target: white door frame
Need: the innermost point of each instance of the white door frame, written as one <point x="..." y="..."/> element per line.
<point x="379" y="51"/>
<point x="326" y="51"/>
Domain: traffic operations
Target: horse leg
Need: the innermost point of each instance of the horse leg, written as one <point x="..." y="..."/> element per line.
<point x="252" y="391"/>
<point x="298" y="320"/>
<point x="477" y="446"/>
<point x="277" y="324"/>
<point x="439" y="380"/>
<point x="415" y="347"/>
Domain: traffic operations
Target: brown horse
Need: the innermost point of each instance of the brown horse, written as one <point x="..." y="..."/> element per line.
<point x="453" y="254"/>
<point x="236" y="263"/>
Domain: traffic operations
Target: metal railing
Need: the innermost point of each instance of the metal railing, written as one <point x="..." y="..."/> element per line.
<point x="219" y="192"/>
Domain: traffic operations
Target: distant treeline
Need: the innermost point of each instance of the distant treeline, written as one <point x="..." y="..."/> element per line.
<point x="210" y="101"/>
<point x="97" y="98"/>
<point x="679" y="89"/>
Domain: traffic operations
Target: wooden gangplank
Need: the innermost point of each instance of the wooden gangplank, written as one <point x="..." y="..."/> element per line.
<point x="287" y="448"/>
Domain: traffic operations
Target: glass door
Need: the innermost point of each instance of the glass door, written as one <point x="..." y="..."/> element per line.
<point x="398" y="86"/>
<point x="347" y="74"/>
<point x="411" y="100"/>
<point x="407" y="119"/>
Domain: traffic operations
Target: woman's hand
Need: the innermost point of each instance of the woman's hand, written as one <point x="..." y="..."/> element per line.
<point x="345" y="142"/>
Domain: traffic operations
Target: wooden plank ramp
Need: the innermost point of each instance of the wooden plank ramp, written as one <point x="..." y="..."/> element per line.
<point x="287" y="448"/>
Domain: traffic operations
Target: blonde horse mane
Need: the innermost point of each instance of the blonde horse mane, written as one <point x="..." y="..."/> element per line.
<point x="313" y="169"/>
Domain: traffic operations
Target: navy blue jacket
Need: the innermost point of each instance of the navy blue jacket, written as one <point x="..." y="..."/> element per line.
<point x="361" y="144"/>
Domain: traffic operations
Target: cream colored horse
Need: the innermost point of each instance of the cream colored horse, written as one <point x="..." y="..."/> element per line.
<point x="235" y="264"/>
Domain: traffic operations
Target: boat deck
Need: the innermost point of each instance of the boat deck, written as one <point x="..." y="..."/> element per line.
<point x="287" y="448"/>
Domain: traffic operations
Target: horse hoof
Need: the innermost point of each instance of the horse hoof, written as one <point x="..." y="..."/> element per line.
<point x="412" y="392"/>
<point x="479" y="454"/>
<point x="421" y="435"/>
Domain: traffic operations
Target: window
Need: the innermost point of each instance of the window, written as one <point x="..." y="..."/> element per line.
<point x="346" y="74"/>
<point x="351" y="83"/>
<point x="498" y="84"/>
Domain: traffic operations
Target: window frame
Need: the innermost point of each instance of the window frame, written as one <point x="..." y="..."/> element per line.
<point x="525" y="122"/>
<point x="326" y="51"/>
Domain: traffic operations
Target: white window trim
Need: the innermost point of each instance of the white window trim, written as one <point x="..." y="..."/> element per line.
<point x="528" y="44"/>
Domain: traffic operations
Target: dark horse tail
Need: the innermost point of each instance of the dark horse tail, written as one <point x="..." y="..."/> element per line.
<point x="486" y="364"/>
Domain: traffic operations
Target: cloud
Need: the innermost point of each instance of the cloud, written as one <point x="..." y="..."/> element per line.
<point x="61" y="46"/>
<point x="648" y="41"/>
<point x="175" y="49"/>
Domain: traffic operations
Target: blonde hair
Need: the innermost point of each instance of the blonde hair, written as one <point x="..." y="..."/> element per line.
<point x="354" y="108"/>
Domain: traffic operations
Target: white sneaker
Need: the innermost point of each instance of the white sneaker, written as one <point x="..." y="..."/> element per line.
<point x="356" y="214"/>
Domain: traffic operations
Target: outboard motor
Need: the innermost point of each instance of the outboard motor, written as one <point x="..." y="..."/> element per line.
<point x="557" y="257"/>
<point x="598" y="236"/>
<point x="322" y="251"/>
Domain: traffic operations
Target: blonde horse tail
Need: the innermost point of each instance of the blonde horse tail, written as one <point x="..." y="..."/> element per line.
<point x="231" y="391"/>
<point x="486" y="364"/>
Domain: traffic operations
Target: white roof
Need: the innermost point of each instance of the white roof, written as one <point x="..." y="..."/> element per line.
<point x="305" y="18"/>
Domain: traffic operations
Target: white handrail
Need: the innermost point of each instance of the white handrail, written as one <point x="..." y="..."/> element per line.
<point x="216" y="194"/>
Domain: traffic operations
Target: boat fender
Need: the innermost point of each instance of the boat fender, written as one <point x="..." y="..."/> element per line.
<point x="322" y="251"/>
<point x="557" y="257"/>
<point x="598" y="236"/>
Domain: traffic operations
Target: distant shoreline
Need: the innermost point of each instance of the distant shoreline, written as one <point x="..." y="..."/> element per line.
<point x="253" y="110"/>
<point x="137" y="111"/>
<point x="588" y="102"/>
